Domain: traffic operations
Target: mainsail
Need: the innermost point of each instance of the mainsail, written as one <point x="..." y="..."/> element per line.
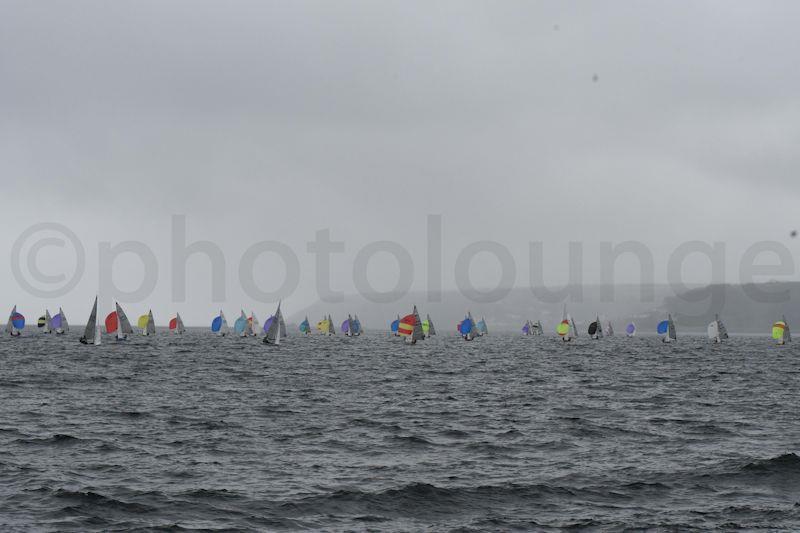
<point x="431" y="327"/>
<point x="90" y="334"/>
<point x="276" y="328"/>
<point x="254" y="325"/>
<point x="150" y="326"/>
<point x="47" y="327"/>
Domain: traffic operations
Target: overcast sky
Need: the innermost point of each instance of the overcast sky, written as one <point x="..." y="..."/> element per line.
<point x="660" y="122"/>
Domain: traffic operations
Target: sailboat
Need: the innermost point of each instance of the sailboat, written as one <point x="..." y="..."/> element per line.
<point x="147" y="324"/>
<point x="468" y="328"/>
<point x="331" y="329"/>
<point x="91" y="335"/>
<point x="539" y="329"/>
<point x="44" y="322"/>
<point x="305" y="327"/>
<point x="596" y="329"/>
<point x="609" y="329"/>
<point x="630" y="330"/>
<point x="275" y="328"/>
<point x="717" y="331"/>
<point x="667" y="329"/>
<point x="220" y="325"/>
<point x="356" y="326"/>
<point x="176" y="325"/>
<point x="411" y="327"/>
<point x="322" y="326"/>
<point x="482" y="329"/>
<point x="347" y="326"/>
<point x="780" y="331"/>
<point x="394" y="327"/>
<point x="124" y="329"/>
<point x="527" y="328"/>
<point x="255" y="327"/>
<point x="431" y="328"/>
<point x="59" y="323"/>
<point x="16" y="323"/>
<point x="566" y="328"/>
<point x="241" y="325"/>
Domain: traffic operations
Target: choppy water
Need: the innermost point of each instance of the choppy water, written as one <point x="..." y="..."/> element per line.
<point x="367" y="434"/>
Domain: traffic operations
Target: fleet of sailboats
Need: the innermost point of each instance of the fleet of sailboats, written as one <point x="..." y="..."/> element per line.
<point x="410" y="326"/>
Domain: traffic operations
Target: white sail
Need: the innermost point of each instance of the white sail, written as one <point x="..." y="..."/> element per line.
<point x="48" y="322"/>
<point x="671" y="334"/>
<point x="609" y="330"/>
<point x="64" y="324"/>
<point x="91" y="333"/>
<point x="331" y="328"/>
<point x="150" y="329"/>
<point x="224" y="329"/>
<point x="713" y="331"/>
<point x="10" y="329"/>
<point x="255" y="327"/>
<point x="122" y="324"/>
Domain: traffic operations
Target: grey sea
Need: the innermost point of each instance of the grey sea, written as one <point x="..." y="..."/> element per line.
<point x="503" y="433"/>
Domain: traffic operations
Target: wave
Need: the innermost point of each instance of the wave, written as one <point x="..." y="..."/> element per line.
<point x="59" y="439"/>
<point x="786" y="464"/>
<point x="85" y="501"/>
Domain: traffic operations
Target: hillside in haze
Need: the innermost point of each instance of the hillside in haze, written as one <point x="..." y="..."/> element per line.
<point x="744" y="309"/>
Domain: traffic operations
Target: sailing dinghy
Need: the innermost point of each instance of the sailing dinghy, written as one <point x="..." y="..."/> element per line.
<point x="780" y="332"/>
<point x="667" y="329"/>
<point x="59" y="323"/>
<point x="411" y="327"/>
<point x="176" y="325"/>
<point x="91" y="335"/>
<point x="717" y="331"/>
<point x="16" y="323"/>
<point x="220" y="325"/>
